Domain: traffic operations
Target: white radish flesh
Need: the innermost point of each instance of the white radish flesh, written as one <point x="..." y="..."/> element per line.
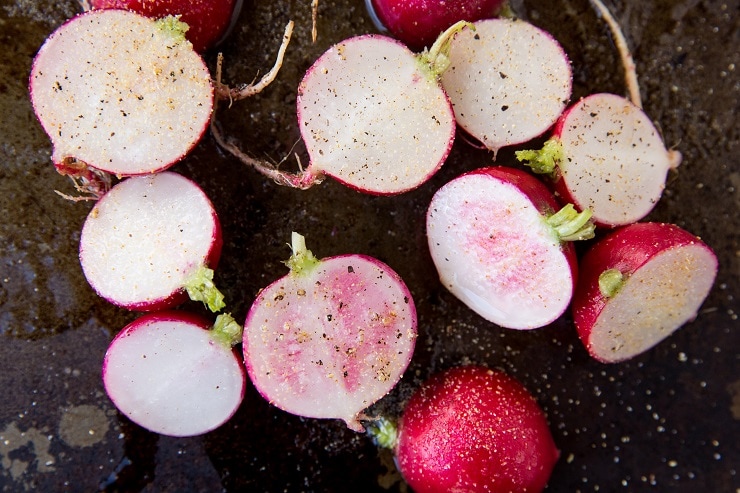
<point x="330" y="338"/>
<point x="147" y="238"/>
<point x="508" y="81"/>
<point x="169" y="374"/>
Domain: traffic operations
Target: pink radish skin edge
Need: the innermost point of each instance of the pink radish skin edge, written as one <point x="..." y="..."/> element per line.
<point x="628" y="249"/>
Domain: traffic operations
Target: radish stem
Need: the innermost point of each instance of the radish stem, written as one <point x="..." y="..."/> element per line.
<point x="436" y="59"/>
<point x="200" y="287"/>
<point x="571" y="225"/>
<point x="302" y="261"/>
<point x="173" y="26"/>
<point x="383" y="432"/>
<point x="226" y="331"/>
<point x="610" y="282"/>
<point x="545" y="160"/>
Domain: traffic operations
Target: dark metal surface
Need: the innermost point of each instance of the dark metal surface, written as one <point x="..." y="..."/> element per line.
<point x="664" y="421"/>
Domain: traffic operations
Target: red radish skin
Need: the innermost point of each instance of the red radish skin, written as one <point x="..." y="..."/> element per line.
<point x="120" y="93"/>
<point x="657" y="277"/>
<point x="170" y="374"/>
<point x="146" y="239"/>
<point x="209" y="21"/>
<point x="330" y="338"/>
<point x="476" y="430"/>
<point x="494" y="249"/>
<point x="417" y="23"/>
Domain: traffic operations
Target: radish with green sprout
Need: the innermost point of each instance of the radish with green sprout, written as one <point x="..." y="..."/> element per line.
<point x="331" y="337"/>
<point x="119" y="93"/>
<point x="171" y="374"/>
<point x="637" y="286"/>
<point x="605" y="155"/>
<point x="501" y="244"/>
<point x="209" y="21"/>
<point x="150" y="242"/>
<point x="508" y="81"/>
<point x="471" y="429"/>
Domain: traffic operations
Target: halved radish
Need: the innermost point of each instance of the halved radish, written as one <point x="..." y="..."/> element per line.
<point x="607" y="157"/>
<point x="170" y="374"/>
<point x="500" y="242"/>
<point x="330" y="338"/>
<point x="120" y="93"/>
<point x="637" y="286"/>
<point x="508" y="81"/>
<point x="150" y="242"/>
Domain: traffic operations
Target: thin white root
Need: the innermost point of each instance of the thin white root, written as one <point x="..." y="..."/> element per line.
<point x="314" y="18"/>
<point x="630" y="71"/>
<point x="85" y="4"/>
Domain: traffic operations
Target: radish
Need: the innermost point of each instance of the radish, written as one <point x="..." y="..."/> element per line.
<point x="637" y="286"/>
<point x="150" y="242"/>
<point x="471" y="429"/>
<point x="330" y="338"/>
<point x="171" y="375"/>
<point x="208" y="21"/>
<point x="508" y="81"/>
<point x="119" y="93"/>
<point x="501" y="244"/>
<point x="606" y="156"/>
<point x="417" y="23"/>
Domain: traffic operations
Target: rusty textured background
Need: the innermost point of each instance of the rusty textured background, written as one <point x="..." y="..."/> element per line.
<point x="664" y="421"/>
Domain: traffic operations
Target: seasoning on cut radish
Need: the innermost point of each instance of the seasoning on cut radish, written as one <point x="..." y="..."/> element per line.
<point x="508" y="81"/>
<point x="637" y="286"/>
<point x="330" y="338"/>
<point x="119" y="93"/>
<point x="471" y="429"/>
<point x="606" y="156"/>
<point x="501" y="244"/>
<point x="170" y="374"/>
<point x="417" y="23"/>
<point x="150" y="242"/>
<point x="209" y="21"/>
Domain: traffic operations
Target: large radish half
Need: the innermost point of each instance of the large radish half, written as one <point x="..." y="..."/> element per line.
<point x="169" y="373"/>
<point x="151" y="241"/>
<point x="508" y="81"/>
<point x="499" y="240"/>
<point x="330" y="338"/>
<point x="120" y="92"/>
<point x="637" y="286"/>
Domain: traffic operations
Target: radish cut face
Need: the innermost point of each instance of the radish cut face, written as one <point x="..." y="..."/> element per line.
<point x="120" y="92"/>
<point x="329" y="341"/>
<point x="508" y="81"/>
<point x="614" y="161"/>
<point x="494" y="250"/>
<point x="146" y="237"/>
<point x="166" y="373"/>
<point x="663" y="275"/>
<point x="373" y="117"/>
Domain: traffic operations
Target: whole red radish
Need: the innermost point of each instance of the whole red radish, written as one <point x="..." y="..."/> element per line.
<point x="330" y="338"/>
<point x="120" y="93"/>
<point x="637" y="286"/>
<point x="170" y="374"/>
<point x="209" y="21"/>
<point x="150" y="242"/>
<point x="605" y="155"/>
<point x="417" y="23"/>
<point x="501" y="244"/>
<point x="475" y="430"/>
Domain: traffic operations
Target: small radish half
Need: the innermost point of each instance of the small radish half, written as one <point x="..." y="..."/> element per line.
<point x="120" y="92"/>
<point x="330" y="338"/>
<point x="637" y="286"/>
<point x="508" y="81"/>
<point x="170" y="374"/>
<point x="500" y="242"/>
<point x="606" y="156"/>
<point x="150" y="242"/>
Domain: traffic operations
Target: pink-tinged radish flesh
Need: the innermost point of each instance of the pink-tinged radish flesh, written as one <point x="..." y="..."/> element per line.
<point x="374" y="117"/>
<point x="508" y="81"/>
<point x="330" y="338"/>
<point x="146" y="238"/>
<point x="476" y="430"/>
<point x="496" y="252"/>
<point x="638" y="286"/>
<point x="169" y="374"/>
<point x="120" y="92"/>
